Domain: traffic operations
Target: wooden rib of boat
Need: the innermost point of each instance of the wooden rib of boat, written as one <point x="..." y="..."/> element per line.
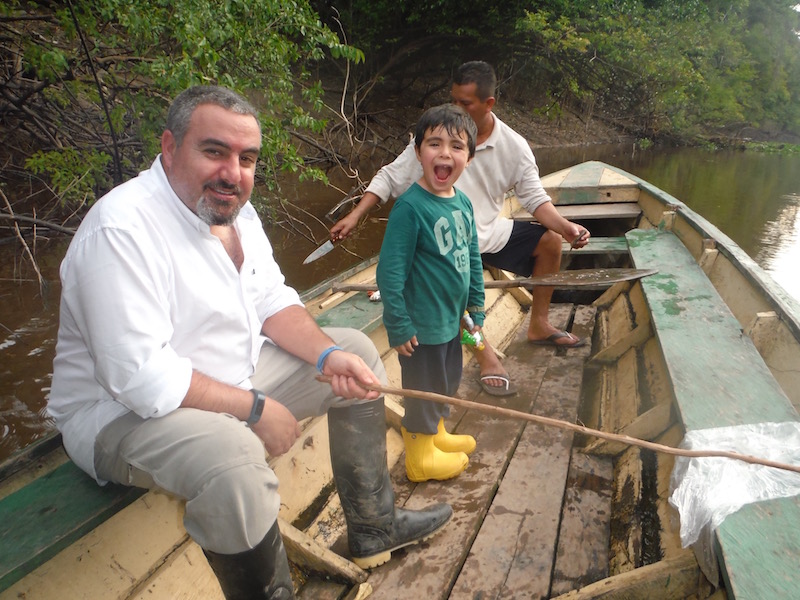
<point x="708" y="340"/>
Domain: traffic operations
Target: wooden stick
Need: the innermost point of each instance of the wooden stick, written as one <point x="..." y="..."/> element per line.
<point x="576" y="278"/>
<point x="550" y="422"/>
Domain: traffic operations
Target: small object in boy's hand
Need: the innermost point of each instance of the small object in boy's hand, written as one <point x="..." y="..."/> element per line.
<point x="467" y="337"/>
<point x="472" y="339"/>
<point x="374" y="296"/>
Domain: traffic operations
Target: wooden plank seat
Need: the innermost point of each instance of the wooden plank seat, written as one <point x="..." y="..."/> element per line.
<point x="591" y="182"/>
<point x="719" y="379"/>
<point x="583" y="212"/>
<point x="50" y="513"/>
<point x="599" y="245"/>
<point x="356" y="311"/>
<point x="54" y="510"/>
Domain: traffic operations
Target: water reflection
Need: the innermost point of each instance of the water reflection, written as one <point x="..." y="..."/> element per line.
<point x="780" y="245"/>
<point x="28" y="325"/>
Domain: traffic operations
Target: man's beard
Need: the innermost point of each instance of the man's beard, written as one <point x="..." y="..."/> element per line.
<point x="206" y="212"/>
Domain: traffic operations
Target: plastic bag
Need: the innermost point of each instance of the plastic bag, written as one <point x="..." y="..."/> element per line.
<point x="706" y="490"/>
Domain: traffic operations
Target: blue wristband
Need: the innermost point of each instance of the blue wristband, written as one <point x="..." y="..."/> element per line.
<point x="324" y="355"/>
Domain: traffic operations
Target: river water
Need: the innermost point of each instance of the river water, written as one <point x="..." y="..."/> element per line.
<point x="754" y="198"/>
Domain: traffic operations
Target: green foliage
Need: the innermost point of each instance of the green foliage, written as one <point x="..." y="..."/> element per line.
<point x="773" y="147"/>
<point x="75" y="175"/>
<point x="146" y="51"/>
<point x="656" y="67"/>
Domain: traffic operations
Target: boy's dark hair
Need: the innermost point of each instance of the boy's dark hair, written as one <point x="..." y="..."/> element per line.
<point x="481" y="74"/>
<point x="453" y="118"/>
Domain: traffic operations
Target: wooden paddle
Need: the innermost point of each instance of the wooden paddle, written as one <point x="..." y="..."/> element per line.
<point x="576" y="278"/>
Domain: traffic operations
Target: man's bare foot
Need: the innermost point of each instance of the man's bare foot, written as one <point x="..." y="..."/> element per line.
<point x="493" y="373"/>
<point x="558" y="338"/>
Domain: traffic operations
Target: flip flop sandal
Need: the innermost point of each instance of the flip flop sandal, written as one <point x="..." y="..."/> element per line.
<point x="551" y="340"/>
<point x="497" y="390"/>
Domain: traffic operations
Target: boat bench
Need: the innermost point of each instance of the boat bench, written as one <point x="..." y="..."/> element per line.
<point x="356" y="311"/>
<point x="55" y="510"/>
<point x="599" y="245"/>
<point x="719" y="379"/>
<point x="50" y="513"/>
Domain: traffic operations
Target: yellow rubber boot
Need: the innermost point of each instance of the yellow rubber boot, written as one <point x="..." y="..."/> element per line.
<point x="425" y="461"/>
<point x="448" y="442"/>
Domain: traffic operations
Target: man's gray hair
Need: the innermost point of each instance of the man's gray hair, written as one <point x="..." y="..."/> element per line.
<point x="184" y="104"/>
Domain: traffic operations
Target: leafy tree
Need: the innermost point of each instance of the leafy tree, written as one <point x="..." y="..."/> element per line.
<point x="86" y="84"/>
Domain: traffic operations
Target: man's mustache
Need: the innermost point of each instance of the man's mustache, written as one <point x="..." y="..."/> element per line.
<point x="223" y="186"/>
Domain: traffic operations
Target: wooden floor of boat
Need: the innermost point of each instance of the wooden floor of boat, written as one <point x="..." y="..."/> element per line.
<point x="516" y="531"/>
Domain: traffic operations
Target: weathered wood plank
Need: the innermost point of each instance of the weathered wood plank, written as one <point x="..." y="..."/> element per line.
<point x="720" y="365"/>
<point x="646" y="426"/>
<point x="627" y="517"/>
<point x="47" y="515"/>
<point x="582" y="554"/>
<point x="112" y="559"/>
<point x="514" y="550"/>
<point x="671" y="579"/>
<point x="305" y="553"/>
<point x="590" y="182"/>
<point x="357" y="311"/>
<point x="317" y="589"/>
<point x="583" y="212"/>
<point x="185" y="576"/>
<point x="599" y="245"/>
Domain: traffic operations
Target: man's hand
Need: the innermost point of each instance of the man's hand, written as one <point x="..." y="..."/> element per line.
<point x="348" y="224"/>
<point x="344" y="227"/>
<point x="577" y="235"/>
<point x="277" y="428"/>
<point x="347" y="371"/>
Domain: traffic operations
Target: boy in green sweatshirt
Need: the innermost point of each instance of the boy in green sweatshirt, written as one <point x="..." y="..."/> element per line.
<point x="429" y="273"/>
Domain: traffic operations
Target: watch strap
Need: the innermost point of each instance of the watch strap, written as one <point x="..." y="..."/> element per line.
<point x="259" y="399"/>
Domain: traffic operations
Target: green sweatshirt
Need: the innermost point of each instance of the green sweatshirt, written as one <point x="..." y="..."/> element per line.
<point x="430" y="269"/>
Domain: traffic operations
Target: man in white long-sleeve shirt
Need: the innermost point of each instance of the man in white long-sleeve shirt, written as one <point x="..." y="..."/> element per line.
<point x="503" y="161"/>
<point x="182" y="355"/>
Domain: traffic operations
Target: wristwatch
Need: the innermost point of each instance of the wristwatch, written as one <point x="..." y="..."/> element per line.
<point x="259" y="398"/>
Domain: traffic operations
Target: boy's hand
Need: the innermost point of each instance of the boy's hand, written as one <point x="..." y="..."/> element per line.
<point x="407" y="349"/>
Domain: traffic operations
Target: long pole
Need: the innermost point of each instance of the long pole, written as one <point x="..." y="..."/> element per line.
<point x="550" y="422"/>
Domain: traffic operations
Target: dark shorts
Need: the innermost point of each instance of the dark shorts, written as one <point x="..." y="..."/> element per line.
<point x="517" y="255"/>
<point x="431" y="368"/>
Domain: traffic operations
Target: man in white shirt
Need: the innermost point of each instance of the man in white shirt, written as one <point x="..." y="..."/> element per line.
<point x="182" y="355"/>
<point x="503" y="161"/>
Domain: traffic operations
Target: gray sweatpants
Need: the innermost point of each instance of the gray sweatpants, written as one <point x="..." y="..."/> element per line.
<point x="214" y="461"/>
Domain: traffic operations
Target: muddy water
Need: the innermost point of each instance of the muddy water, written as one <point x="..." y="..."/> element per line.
<point x="754" y="198"/>
<point x="28" y="324"/>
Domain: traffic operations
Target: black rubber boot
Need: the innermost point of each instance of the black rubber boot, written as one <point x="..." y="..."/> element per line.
<point x="375" y="527"/>
<point x="258" y="574"/>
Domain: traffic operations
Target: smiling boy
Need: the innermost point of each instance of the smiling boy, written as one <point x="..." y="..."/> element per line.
<point x="429" y="273"/>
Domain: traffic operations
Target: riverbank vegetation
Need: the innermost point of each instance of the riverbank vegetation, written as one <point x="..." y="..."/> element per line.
<point x="84" y="85"/>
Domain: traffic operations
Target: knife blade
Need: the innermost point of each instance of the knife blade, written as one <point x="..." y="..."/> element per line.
<point x="319" y="252"/>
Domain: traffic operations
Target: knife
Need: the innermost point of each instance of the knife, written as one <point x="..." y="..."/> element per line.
<point x="319" y="252"/>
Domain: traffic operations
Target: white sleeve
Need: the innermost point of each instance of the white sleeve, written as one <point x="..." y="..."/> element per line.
<point x="395" y="178"/>
<point x="528" y="188"/>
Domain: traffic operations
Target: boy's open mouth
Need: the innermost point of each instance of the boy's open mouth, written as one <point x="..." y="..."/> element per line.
<point x="442" y="172"/>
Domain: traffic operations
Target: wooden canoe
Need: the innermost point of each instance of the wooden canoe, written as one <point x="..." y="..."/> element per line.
<point x="706" y="340"/>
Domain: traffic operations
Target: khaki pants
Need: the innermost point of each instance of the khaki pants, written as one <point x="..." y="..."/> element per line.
<point x="212" y="460"/>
